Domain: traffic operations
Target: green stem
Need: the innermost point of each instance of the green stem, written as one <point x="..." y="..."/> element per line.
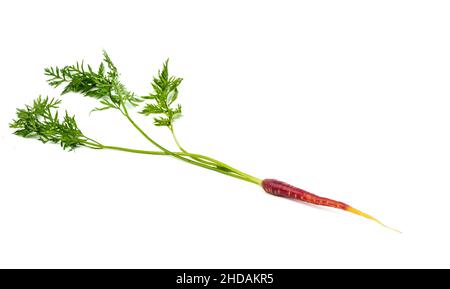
<point x="234" y="172"/>
<point x="247" y="178"/>
<point x="175" y="139"/>
<point x="203" y="158"/>
<point x="206" y="161"/>
<point x="125" y="113"/>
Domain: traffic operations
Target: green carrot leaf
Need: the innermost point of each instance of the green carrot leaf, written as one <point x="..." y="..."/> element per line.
<point x="40" y="120"/>
<point x="165" y="93"/>
<point x="102" y="84"/>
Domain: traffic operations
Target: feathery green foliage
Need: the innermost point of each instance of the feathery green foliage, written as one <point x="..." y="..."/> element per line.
<point x="165" y="93"/>
<point x="102" y="84"/>
<point x="39" y="121"/>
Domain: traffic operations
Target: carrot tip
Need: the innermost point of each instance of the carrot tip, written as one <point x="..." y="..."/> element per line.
<point x="362" y="214"/>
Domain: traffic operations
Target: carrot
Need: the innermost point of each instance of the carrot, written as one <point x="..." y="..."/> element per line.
<point x="41" y="121"/>
<point x="282" y="189"/>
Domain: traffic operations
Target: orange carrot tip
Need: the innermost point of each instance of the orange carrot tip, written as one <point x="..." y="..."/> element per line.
<point x="362" y="214"/>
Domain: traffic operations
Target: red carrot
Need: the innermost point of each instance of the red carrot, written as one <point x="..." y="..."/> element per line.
<point x="282" y="189"/>
<point x="41" y="121"/>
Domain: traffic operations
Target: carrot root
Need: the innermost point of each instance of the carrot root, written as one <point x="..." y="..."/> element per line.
<point x="281" y="189"/>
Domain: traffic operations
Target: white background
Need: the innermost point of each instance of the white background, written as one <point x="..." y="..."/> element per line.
<point x="347" y="99"/>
